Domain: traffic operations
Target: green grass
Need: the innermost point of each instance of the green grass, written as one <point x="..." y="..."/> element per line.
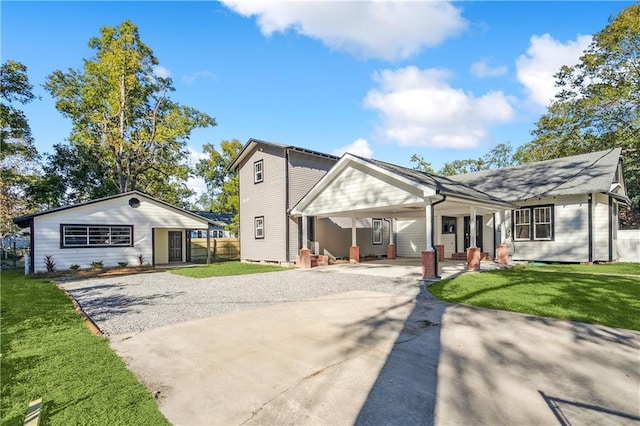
<point x="611" y="300"/>
<point x="602" y="268"/>
<point x="226" y="268"/>
<point x="48" y="353"/>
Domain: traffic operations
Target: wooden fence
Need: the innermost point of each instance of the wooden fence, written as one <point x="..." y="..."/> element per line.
<point x="221" y="248"/>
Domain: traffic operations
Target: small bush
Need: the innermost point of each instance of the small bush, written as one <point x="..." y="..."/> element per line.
<point x="122" y="264"/>
<point x="74" y="267"/>
<point x="140" y="260"/>
<point x="49" y="263"/>
<point x="97" y="265"/>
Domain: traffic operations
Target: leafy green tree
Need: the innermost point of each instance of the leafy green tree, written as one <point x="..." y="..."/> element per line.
<point x="222" y="184"/>
<point x="421" y="164"/>
<point x="457" y="167"/>
<point x="18" y="155"/>
<point x="122" y="115"/>
<point x="500" y="156"/>
<point x="599" y="105"/>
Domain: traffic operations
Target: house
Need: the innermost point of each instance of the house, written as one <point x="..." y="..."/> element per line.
<point x="131" y="227"/>
<point x="272" y="179"/>
<point x="562" y="210"/>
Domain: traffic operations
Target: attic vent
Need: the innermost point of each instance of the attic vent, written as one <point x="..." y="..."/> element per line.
<point x="134" y="202"/>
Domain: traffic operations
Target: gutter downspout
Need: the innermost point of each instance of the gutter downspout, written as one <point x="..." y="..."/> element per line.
<point x="433" y="230"/>
<point x="32" y="248"/>
<point x="590" y="238"/>
<point x="287" y="243"/>
<point x="610" y="229"/>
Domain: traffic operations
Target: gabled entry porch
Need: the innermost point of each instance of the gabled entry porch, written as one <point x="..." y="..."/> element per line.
<point x="429" y="216"/>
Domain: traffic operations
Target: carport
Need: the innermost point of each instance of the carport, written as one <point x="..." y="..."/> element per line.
<point x="358" y="188"/>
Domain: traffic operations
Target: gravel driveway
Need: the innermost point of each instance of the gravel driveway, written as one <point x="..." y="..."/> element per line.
<point x="132" y="303"/>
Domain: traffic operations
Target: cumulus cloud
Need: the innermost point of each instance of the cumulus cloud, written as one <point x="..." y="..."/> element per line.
<point x="191" y="78"/>
<point x="161" y="71"/>
<point x="420" y="108"/>
<point x="388" y="30"/>
<point x="544" y="58"/>
<point x="196" y="183"/>
<point x="484" y="69"/>
<point x="359" y="147"/>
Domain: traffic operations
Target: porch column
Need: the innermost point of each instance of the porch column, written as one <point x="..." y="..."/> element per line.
<point x="208" y="243"/>
<point x="502" y="250"/>
<point x="305" y="253"/>
<point x="305" y="232"/>
<point x="473" y="252"/>
<point x="391" y="248"/>
<point x="354" y="250"/>
<point x="429" y="255"/>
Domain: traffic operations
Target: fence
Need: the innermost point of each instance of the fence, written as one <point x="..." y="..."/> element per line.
<point x="628" y="245"/>
<point x="221" y="248"/>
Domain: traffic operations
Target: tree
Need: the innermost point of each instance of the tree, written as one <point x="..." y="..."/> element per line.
<point x="121" y="113"/>
<point x="222" y="184"/>
<point x="18" y="154"/>
<point x="457" y="167"/>
<point x="500" y="156"/>
<point x="599" y="105"/>
<point x="421" y="164"/>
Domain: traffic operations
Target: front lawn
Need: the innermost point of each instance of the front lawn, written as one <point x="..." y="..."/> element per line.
<point x="612" y="300"/>
<point x="222" y="269"/>
<point x="48" y="353"/>
<point x="623" y="268"/>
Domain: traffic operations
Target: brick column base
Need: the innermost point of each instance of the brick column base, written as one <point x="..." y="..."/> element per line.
<point x="354" y="254"/>
<point x="473" y="259"/>
<point x="440" y="250"/>
<point x="429" y="265"/>
<point x="502" y="253"/>
<point x="391" y="251"/>
<point x="305" y="259"/>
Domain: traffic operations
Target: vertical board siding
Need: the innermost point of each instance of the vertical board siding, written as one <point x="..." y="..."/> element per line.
<point x="109" y="212"/>
<point x="263" y="199"/>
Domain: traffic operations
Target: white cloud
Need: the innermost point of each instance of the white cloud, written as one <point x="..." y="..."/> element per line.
<point x="382" y="29"/>
<point x="544" y="58"/>
<point x="484" y="69"/>
<point x="196" y="183"/>
<point x="161" y="71"/>
<point x="191" y="78"/>
<point x="419" y="108"/>
<point x="359" y="147"/>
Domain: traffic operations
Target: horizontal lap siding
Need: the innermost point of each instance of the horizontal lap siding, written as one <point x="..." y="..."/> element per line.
<point x="354" y="189"/>
<point x="411" y="237"/>
<point x="111" y="212"/>
<point x="263" y="199"/>
<point x="305" y="171"/>
<point x="571" y="233"/>
<point x="600" y="227"/>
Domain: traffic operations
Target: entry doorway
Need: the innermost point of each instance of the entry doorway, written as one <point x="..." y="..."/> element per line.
<point x="175" y="246"/>
<point x="467" y="232"/>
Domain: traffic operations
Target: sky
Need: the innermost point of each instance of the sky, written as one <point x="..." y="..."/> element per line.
<point x="382" y="79"/>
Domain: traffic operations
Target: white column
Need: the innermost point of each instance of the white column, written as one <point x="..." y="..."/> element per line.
<point x="502" y="217"/>
<point x="472" y="227"/>
<point x="353" y="232"/>
<point x="391" y="231"/>
<point x="305" y="243"/>
<point x="428" y="214"/>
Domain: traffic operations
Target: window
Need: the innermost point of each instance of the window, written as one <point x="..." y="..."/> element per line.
<point x="258" y="171"/>
<point x="377" y="231"/>
<point x="259" y="227"/>
<point x="75" y="236"/>
<point x="522" y="224"/>
<point x="448" y="225"/>
<point x="533" y="223"/>
<point x="542" y="223"/>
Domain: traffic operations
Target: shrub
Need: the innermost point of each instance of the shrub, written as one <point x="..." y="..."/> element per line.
<point x="49" y="263"/>
<point x="140" y="260"/>
<point x="122" y="264"/>
<point x="97" y="265"/>
<point x="74" y="267"/>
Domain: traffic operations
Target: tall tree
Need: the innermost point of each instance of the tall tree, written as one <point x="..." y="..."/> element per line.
<point x="599" y="105"/>
<point x="500" y="155"/>
<point x="121" y="112"/>
<point x="18" y="154"/>
<point x="422" y="164"/>
<point x="222" y="184"/>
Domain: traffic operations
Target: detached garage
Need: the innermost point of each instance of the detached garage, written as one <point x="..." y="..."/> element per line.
<point x="122" y="228"/>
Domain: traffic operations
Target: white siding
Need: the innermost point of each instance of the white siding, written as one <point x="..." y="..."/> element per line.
<point x="355" y="189"/>
<point x="116" y="211"/>
<point x="265" y="199"/>
<point x="628" y="245"/>
<point x="411" y="237"/>
<point x="600" y="227"/>
<point x="335" y="237"/>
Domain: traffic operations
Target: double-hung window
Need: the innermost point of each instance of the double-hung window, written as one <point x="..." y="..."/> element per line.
<point x="533" y="223"/>
<point x="258" y="171"/>
<point x="78" y="236"/>
<point x="259" y="227"/>
<point x="377" y="231"/>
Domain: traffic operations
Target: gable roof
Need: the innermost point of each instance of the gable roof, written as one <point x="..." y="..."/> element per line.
<point x="24" y="221"/>
<point x="578" y="174"/>
<point x="252" y="143"/>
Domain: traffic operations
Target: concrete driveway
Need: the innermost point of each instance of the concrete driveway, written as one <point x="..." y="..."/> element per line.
<point x="362" y="357"/>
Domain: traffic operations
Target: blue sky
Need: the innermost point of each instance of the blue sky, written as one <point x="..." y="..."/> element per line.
<point x="446" y="80"/>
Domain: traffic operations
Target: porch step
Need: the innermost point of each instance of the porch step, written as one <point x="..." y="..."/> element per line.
<point x="463" y="256"/>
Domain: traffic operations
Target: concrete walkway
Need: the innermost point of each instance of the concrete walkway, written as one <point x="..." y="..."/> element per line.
<point x="374" y="358"/>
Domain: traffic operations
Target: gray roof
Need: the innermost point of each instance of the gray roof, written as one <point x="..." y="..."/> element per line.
<point x="579" y="174"/>
<point x="442" y="184"/>
<point x="218" y="219"/>
<point x="253" y="142"/>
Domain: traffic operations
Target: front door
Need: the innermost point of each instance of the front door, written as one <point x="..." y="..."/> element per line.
<point x="175" y="246"/>
<point x="467" y="232"/>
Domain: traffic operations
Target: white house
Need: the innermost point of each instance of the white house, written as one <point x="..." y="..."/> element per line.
<point x="131" y="227"/>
